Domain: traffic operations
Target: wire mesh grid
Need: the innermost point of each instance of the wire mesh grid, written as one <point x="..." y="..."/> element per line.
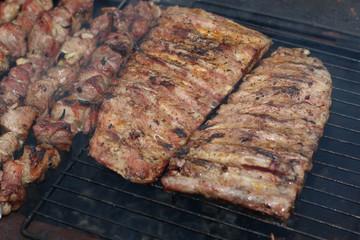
<point x="93" y="199"/>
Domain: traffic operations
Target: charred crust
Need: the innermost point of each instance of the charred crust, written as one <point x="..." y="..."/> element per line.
<point x="217" y="135"/>
<point x="61" y="56"/>
<point x="62" y="115"/>
<point x="181" y="153"/>
<point x="180" y="132"/>
<point x="108" y="95"/>
<point x="79" y="89"/>
<point x="204" y="127"/>
<point x="134" y="134"/>
<point x="165" y="145"/>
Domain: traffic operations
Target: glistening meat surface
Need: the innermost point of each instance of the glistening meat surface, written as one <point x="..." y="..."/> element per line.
<point x="186" y="66"/>
<point x="256" y="150"/>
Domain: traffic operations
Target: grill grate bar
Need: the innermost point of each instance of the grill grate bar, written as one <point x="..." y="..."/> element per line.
<point x="345" y="80"/>
<point x="214" y="205"/>
<point x="340" y="154"/>
<point x="341" y="127"/>
<point x="338" y="168"/>
<point x="230" y="6"/>
<point x="334" y="180"/>
<point x="314" y="50"/>
<point x="347" y="91"/>
<point x="68" y="224"/>
<point x="342" y="141"/>
<point x="344" y="115"/>
<point x="254" y="217"/>
<point x="326" y="223"/>
<point x="124" y="208"/>
<point x="345" y="102"/>
<point x="332" y="194"/>
<point x="329" y="208"/>
<point x="157" y="202"/>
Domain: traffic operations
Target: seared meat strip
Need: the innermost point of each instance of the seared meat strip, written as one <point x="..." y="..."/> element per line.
<point x="186" y="66"/>
<point x="256" y="150"/>
<point x="77" y="112"/>
<point x="30" y="167"/>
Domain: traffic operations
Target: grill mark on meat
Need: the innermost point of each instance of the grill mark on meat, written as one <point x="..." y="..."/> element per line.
<point x="62" y="115"/>
<point x="180" y="132"/>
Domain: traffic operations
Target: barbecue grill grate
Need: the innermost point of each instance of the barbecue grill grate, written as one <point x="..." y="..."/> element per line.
<point x="93" y="199"/>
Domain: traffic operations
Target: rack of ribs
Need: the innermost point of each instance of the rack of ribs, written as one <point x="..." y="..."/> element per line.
<point x="256" y="150"/>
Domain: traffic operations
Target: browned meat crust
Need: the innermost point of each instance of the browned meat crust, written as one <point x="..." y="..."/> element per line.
<point x="187" y="65"/>
<point x="256" y="150"/>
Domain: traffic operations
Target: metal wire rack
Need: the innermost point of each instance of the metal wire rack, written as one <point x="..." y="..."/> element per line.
<point x="90" y="198"/>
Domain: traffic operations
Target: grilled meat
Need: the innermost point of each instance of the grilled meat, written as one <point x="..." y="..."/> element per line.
<point x="44" y="41"/>
<point x="78" y="111"/>
<point x="187" y="65"/>
<point x="9" y="10"/>
<point x="13" y="34"/>
<point x="19" y="121"/>
<point x="256" y="150"/>
<point x="30" y="167"/>
<point x="9" y="143"/>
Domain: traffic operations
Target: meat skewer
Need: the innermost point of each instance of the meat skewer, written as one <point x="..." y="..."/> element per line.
<point x="46" y="37"/>
<point x="77" y="112"/>
<point x="256" y="150"/>
<point x="16" y="121"/>
<point x="187" y="65"/>
<point x="14" y="33"/>
<point x="19" y="76"/>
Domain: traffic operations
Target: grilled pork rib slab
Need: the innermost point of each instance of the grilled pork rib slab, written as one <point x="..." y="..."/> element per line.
<point x="256" y="150"/>
<point x="185" y="67"/>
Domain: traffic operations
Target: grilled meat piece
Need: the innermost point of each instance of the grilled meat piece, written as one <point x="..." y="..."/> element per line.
<point x="30" y="167"/>
<point x="9" y="143"/>
<point x="256" y="150"/>
<point x="19" y="121"/>
<point x="9" y="10"/>
<point x="188" y="63"/>
<point x="54" y="131"/>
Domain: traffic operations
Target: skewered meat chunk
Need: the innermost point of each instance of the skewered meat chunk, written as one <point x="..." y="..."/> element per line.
<point x="9" y="143"/>
<point x="256" y="150"/>
<point x="19" y="121"/>
<point x="9" y="10"/>
<point x="30" y="167"/>
<point x="54" y="131"/>
<point x="188" y="63"/>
